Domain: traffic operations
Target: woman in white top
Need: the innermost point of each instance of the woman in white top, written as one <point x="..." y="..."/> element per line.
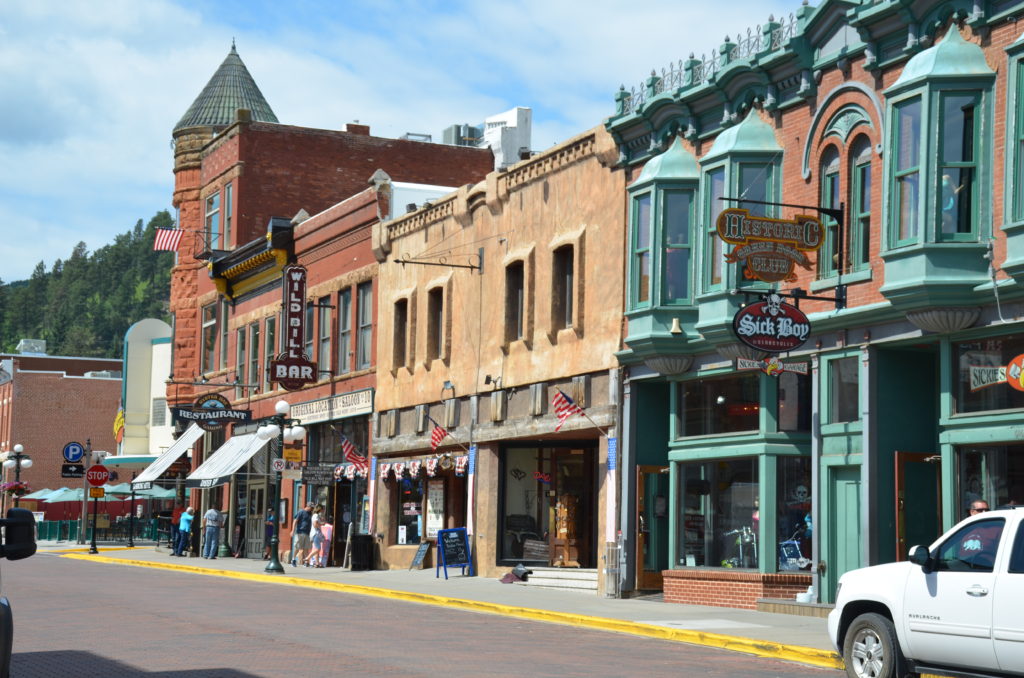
<point x="316" y="535"/>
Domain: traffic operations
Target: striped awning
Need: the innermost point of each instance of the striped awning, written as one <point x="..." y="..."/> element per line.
<point x="225" y="461"/>
<point x="185" y="441"/>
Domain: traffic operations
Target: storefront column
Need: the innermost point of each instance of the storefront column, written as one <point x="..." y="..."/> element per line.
<point x="816" y="476"/>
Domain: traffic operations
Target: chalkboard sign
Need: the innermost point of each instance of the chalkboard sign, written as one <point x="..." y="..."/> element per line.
<point x="421" y="553"/>
<point x="453" y="551"/>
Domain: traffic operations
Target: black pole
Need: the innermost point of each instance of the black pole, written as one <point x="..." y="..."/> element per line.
<point x="17" y="474"/>
<point x="131" y="519"/>
<point x="275" y="562"/>
<point x="92" y="547"/>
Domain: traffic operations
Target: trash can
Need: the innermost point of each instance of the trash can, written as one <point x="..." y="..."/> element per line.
<point x="362" y="552"/>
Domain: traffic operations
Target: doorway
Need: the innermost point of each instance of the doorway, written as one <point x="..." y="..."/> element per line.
<point x="652" y="488"/>
<point x="255" y="510"/>
<point x="843" y="551"/>
<point x="918" y="500"/>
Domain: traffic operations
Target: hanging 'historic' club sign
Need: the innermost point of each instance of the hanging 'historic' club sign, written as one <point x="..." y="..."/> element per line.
<point x="772" y="325"/>
<point x="772" y="248"/>
<point x="293" y="369"/>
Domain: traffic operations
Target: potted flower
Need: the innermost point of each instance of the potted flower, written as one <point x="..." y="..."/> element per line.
<point x="15" y="488"/>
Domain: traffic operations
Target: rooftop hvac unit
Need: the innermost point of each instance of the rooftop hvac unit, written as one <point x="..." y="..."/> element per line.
<point x="32" y="346"/>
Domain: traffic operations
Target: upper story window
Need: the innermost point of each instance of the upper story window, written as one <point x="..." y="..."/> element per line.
<point x="435" y="324"/>
<point x="307" y="340"/>
<point x="515" y="301"/>
<point x="828" y="258"/>
<point x="344" y="331"/>
<point x="364" y="316"/>
<point x="240" y="360"/>
<point x="223" y="320"/>
<point x="228" y="213"/>
<point x="254" y="355"/>
<point x="213" y="221"/>
<point x="859" y="252"/>
<point x="324" y="336"/>
<point x="400" y="334"/>
<point x="663" y="199"/>
<point x="562" y="287"/>
<point x="939" y="108"/>
<point x="714" y="190"/>
<point x="269" y="346"/>
<point x="1015" y="133"/>
<point x="209" y="338"/>
<point x="843" y="390"/>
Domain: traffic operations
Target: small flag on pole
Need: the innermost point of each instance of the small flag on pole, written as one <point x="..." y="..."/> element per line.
<point x="352" y="456"/>
<point x="119" y="425"/>
<point x="167" y="239"/>
<point x="564" y="407"/>
<point x="436" y="435"/>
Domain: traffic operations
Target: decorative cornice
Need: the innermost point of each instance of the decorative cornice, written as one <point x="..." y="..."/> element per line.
<point x="944" y="320"/>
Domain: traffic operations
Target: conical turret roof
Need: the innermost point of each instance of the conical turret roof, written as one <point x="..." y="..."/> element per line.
<point x="230" y="88"/>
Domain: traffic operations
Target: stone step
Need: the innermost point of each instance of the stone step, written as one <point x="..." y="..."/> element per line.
<point x="786" y="606"/>
<point x="562" y="578"/>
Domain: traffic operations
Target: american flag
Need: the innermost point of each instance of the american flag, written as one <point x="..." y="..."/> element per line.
<point x="352" y="456"/>
<point x="564" y="407"/>
<point x="167" y="239"/>
<point x="436" y="435"/>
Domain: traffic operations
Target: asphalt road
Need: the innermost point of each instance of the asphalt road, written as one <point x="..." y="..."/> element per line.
<point x="75" y="619"/>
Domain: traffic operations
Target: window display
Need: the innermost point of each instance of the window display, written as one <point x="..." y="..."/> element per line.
<point x="984" y="375"/>
<point x="727" y="404"/>
<point x="993" y="473"/>
<point x="721" y="514"/>
<point x="410" y="510"/>
<point x="794" y="514"/>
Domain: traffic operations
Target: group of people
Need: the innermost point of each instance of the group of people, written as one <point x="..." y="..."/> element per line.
<point x="181" y="530"/>
<point x="311" y="538"/>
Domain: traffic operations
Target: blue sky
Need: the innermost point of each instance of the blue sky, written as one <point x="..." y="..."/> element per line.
<point x="91" y="89"/>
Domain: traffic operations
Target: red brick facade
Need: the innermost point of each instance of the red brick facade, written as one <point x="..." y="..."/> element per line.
<point x="725" y="588"/>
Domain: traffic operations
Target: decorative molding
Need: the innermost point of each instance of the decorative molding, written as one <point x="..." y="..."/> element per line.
<point x="670" y="365"/>
<point x="812" y="134"/>
<point x="944" y="320"/>
<point x="738" y="350"/>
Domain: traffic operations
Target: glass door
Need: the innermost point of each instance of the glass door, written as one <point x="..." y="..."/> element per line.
<point x="652" y="526"/>
<point x="255" y="521"/>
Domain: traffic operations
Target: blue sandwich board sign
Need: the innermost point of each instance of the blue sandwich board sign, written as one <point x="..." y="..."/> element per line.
<point x="453" y="547"/>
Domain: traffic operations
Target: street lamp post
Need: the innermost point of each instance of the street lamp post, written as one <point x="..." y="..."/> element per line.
<point x="286" y="430"/>
<point x="17" y="460"/>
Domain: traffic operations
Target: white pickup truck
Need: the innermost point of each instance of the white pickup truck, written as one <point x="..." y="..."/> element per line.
<point x="955" y="608"/>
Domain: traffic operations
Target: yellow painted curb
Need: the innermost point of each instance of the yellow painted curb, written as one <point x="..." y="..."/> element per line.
<point x="760" y="648"/>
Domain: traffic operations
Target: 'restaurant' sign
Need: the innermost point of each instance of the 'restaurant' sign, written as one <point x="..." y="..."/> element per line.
<point x="210" y="412"/>
<point x="293" y="369"/>
<point x="772" y="248"/>
<point x="772" y="325"/>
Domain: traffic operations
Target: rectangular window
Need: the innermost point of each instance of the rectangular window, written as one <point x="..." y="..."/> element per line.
<point x="254" y="355"/>
<point x="958" y="169"/>
<point x="860" y="212"/>
<point x="642" y="250"/>
<point x="718" y="521"/>
<point x="240" y="360"/>
<point x="307" y="340"/>
<point x="228" y="208"/>
<point x="844" y="390"/>
<point x="718" y="405"/>
<point x="209" y="347"/>
<point x="435" y="323"/>
<point x="988" y="376"/>
<point x="213" y="221"/>
<point x="793" y="402"/>
<point x="828" y="258"/>
<point x="563" y="287"/>
<point x="1018" y="152"/>
<point x="324" y="323"/>
<point x="269" y="347"/>
<point x="713" y="206"/>
<point x="755" y="184"/>
<point x="401" y="330"/>
<point x="994" y="473"/>
<point x="908" y="165"/>
<point x="514" y="302"/>
<point x="364" y="341"/>
<point x="677" y="213"/>
<point x="794" y="519"/>
<point x="344" y="331"/>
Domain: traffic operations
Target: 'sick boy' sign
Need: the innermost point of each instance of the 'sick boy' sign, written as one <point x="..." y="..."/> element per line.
<point x="293" y="369"/>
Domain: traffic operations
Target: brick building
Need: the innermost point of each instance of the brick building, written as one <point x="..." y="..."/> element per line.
<point x="902" y="405"/>
<point x="245" y="187"/>
<point x="48" y="401"/>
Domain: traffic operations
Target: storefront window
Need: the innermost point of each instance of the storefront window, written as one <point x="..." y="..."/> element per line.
<point x="844" y="390"/>
<point x="410" y="510"/>
<point x="719" y="405"/>
<point x="794" y="514"/>
<point x="720" y="514"/>
<point x="988" y="376"/>
<point x="794" y="402"/>
<point x="993" y="473"/>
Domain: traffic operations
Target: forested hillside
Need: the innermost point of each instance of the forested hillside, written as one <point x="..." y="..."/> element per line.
<point x="85" y="303"/>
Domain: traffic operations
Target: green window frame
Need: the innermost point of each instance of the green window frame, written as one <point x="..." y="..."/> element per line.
<point x="714" y="262"/>
<point x="958" y="129"/>
<point x="213" y="221"/>
<point x="640" y="274"/>
<point x="859" y="256"/>
<point x="1017" y="153"/>
<point x="241" y="361"/>
<point x="828" y="255"/>
<point x="906" y="180"/>
<point x="676" y="220"/>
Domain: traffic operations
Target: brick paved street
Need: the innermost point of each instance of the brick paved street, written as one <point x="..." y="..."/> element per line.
<point x="75" y="618"/>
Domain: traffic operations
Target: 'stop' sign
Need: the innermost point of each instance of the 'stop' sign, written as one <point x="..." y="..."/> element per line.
<point x="293" y="369"/>
<point x="771" y="247"/>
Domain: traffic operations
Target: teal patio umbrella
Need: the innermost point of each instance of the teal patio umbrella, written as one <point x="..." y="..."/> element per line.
<point x="157" y="493"/>
<point x="39" y="494"/>
<point x="64" y="494"/>
<point x="121" y="490"/>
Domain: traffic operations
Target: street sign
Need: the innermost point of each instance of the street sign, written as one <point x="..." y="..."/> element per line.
<point x="96" y="493"/>
<point x="73" y="452"/>
<point x="278" y="464"/>
<point x="72" y="470"/>
<point x="97" y="475"/>
<point x="293" y="454"/>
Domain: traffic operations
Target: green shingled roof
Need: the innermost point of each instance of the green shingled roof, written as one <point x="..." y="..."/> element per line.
<point x="230" y="88"/>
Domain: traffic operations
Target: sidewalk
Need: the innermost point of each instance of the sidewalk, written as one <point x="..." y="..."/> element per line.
<point x="789" y="637"/>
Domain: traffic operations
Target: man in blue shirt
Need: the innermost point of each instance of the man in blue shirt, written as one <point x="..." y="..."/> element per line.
<point x="184" y="530"/>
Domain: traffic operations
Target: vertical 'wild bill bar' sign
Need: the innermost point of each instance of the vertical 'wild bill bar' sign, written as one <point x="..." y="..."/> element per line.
<point x="293" y="369"/>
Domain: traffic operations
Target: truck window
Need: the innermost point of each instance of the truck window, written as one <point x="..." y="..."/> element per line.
<point x="972" y="548"/>
<point x="1017" y="555"/>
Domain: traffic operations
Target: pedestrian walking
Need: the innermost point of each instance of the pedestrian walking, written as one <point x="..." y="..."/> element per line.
<point x="184" y="531"/>
<point x="301" y="528"/>
<point x="174" y="533"/>
<point x="212" y="521"/>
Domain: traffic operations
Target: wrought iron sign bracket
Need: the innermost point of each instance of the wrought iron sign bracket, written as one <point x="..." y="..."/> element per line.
<point x="443" y="261"/>
<point x="796" y="294"/>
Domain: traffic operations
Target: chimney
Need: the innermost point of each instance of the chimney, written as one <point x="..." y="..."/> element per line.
<point x="356" y="128"/>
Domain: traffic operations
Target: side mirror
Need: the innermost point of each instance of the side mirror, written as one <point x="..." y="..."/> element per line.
<point x="19" y="534"/>
<point x="919" y="555"/>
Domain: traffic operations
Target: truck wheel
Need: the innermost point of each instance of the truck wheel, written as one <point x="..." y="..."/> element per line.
<point x="871" y="649"/>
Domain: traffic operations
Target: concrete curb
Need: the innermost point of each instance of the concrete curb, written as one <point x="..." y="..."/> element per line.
<point x="795" y="653"/>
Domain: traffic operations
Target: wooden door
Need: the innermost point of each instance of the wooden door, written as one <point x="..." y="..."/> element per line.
<point x="841" y="549"/>
<point x="255" y="521"/>
<point x="571" y="510"/>
<point x="918" y="500"/>
<point x="651" y="526"/>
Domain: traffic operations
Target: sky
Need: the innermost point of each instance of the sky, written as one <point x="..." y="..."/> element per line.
<point x="90" y="90"/>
